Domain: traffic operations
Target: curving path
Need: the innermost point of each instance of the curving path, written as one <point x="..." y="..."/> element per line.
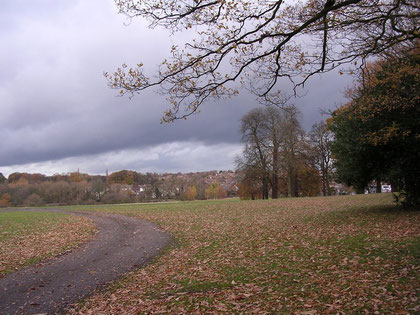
<point x="122" y="244"/>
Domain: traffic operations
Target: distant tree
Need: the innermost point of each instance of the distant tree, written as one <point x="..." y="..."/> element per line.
<point x="272" y="130"/>
<point x="222" y="193"/>
<point x="3" y="189"/>
<point x="56" y="192"/>
<point x="292" y="139"/>
<point x="116" y="194"/>
<point x="63" y="192"/>
<point x="2" y="179"/>
<point x="274" y="143"/>
<point x="377" y="134"/>
<point x="34" y="200"/>
<point x="5" y="200"/>
<point x="308" y="180"/>
<point x="157" y="192"/>
<point x="248" y="191"/>
<point x="19" y="191"/>
<point x="173" y="187"/>
<point x="191" y="193"/>
<point x="98" y="188"/>
<point x="37" y="178"/>
<point x="321" y="139"/>
<point x="249" y="185"/>
<point x="25" y="178"/>
<point x="261" y="44"/>
<point x="123" y="177"/>
<point x="148" y="178"/>
<point x="14" y="177"/>
<point x="200" y="185"/>
<point x="256" y="156"/>
<point x="215" y="191"/>
<point x="18" y="179"/>
<point x="77" y="177"/>
<point x="354" y="161"/>
<point x="58" y="178"/>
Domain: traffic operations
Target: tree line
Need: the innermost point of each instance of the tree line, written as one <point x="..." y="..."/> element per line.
<point x="280" y="159"/>
<point x="23" y="189"/>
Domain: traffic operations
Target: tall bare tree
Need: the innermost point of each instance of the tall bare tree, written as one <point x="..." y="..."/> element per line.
<point x="274" y="144"/>
<point x="292" y="138"/>
<point x="321" y="139"/>
<point x="272" y="133"/>
<point x="255" y="154"/>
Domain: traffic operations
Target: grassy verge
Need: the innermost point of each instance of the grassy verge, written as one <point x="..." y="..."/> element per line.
<point x="305" y="255"/>
<point x="29" y="237"/>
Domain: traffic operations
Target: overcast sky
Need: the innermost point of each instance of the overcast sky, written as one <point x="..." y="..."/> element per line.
<point x="57" y="114"/>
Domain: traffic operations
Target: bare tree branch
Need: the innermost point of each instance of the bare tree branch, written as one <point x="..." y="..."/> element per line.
<point x="260" y="45"/>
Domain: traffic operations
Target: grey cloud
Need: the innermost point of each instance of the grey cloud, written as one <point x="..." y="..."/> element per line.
<point x="104" y="132"/>
<point x="168" y="157"/>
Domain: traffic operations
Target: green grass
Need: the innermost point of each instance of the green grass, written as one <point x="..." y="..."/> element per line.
<point x="25" y="222"/>
<point x="28" y="237"/>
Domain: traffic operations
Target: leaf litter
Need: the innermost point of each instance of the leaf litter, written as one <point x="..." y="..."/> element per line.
<point x="303" y="255"/>
<point x="25" y="241"/>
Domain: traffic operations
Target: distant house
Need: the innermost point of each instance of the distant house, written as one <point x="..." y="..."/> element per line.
<point x="386" y="188"/>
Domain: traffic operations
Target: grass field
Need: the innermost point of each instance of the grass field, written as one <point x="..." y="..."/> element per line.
<point x="303" y="255"/>
<point x="29" y="237"/>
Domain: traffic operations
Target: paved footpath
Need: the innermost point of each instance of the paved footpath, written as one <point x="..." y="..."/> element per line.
<point x="122" y="244"/>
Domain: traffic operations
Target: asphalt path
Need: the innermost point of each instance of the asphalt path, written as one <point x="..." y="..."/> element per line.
<point x="121" y="245"/>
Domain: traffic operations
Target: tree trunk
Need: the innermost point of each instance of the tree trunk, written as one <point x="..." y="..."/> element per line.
<point x="275" y="186"/>
<point x="324" y="185"/>
<point x="265" y="187"/>
<point x="378" y="186"/>
<point x="292" y="185"/>
<point x="275" y="179"/>
<point x="323" y="178"/>
<point x="289" y="182"/>
<point x="295" y="186"/>
<point x="328" y="185"/>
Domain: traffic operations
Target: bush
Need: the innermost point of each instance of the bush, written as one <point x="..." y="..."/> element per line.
<point x="34" y="200"/>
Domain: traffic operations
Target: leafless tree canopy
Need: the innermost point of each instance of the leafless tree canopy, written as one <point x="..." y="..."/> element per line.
<point x="257" y="44"/>
<point x="275" y="148"/>
<point x="321" y="139"/>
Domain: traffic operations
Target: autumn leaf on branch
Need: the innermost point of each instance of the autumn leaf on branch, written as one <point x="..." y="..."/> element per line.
<point x="258" y="45"/>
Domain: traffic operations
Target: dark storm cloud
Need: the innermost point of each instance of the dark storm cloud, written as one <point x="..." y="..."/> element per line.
<point x="55" y="105"/>
<point x="127" y="125"/>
